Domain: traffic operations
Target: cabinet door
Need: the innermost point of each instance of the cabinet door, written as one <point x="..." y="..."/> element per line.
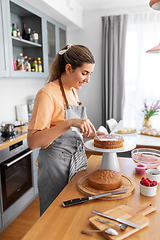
<point x="4" y="66"/>
<point x="62" y="35"/>
<point x="55" y="38"/>
<point x="51" y="41"/>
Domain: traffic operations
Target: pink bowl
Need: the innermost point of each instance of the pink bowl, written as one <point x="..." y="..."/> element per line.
<point x="145" y="156"/>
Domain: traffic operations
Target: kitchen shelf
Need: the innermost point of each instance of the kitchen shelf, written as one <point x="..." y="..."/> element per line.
<point x="24" y="43"/>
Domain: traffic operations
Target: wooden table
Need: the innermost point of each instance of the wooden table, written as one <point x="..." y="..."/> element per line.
<point x="60" y="223"/>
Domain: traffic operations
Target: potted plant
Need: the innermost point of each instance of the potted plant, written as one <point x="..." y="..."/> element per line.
<point x="149" y="111"/>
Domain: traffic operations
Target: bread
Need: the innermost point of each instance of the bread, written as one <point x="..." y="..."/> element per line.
<point x="109" y="141"/>
<point x="150" y="132"/>
<point x="126" y="130"/>
<point x="105" y="179"/>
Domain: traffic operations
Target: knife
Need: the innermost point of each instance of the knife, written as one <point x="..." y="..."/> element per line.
<point x="86" y="199"/>
<point x="117" y="219"/>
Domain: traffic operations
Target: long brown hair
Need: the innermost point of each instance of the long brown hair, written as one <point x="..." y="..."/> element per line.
<point x="75" y="55"/>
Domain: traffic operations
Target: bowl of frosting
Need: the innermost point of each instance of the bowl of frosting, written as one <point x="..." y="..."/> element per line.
<point x="150" y="158"/>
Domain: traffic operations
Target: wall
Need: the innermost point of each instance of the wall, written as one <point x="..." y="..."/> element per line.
<point x="16" y="91"/>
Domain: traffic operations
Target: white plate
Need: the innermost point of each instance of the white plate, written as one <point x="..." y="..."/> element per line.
<point x="125" y="132"/>
<point x="127" y="146"/>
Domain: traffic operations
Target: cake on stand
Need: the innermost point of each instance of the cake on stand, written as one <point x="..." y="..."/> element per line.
<point x="109" y="158"/>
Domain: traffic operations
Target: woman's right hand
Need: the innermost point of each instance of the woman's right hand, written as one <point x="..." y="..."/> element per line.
<point x="85" y="126"/>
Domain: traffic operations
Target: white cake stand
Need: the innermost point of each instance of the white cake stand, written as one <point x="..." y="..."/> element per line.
<point x="109" y="158"/>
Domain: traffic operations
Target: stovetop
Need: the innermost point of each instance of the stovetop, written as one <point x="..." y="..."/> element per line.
<point x="7" y="137"/>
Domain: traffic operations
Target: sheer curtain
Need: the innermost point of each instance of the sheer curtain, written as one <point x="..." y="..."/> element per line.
<point x="142" y="70"/>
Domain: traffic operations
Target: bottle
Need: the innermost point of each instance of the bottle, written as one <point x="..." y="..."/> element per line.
<point x="35" y="36"/>
<point x="24" y="32"/>
<point x="18" y="33"/>
<point x="39" y="65"/>
<point x="21" y="62"/>
<point x="35" y="65"/>
<point x="32" y="65"/>
<point x="14" y="64"/>
<point x="14" y="32"/>
<point x="29" y="65"/>
<point x="29" y="35"/>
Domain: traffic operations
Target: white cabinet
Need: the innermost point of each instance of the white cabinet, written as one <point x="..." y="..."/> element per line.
<point x="4" y="50"/>
<point x="52" y="36"/>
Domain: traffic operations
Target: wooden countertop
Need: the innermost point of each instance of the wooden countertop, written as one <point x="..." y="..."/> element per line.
<point x="16" y="139"/>
<point x="66" y="223"/>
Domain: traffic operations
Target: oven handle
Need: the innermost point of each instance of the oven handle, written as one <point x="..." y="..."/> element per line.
<point x="18" y="159"/>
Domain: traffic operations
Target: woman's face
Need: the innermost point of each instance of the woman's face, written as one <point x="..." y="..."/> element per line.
<point x="76" y="78"/>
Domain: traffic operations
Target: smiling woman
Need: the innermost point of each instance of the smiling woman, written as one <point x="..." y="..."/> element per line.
<point x="56" y="111"/>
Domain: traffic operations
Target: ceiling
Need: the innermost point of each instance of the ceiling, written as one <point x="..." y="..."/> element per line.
<point x="111" y="4"/>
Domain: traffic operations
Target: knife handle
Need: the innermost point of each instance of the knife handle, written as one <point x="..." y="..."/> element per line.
<point x="74" y="201"/>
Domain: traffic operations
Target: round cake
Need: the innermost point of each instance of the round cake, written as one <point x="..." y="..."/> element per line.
<point x="105" y="179"/>
<point x="109" y="141"/>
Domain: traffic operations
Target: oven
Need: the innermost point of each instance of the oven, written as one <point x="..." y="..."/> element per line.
<point x="15" y="173"/>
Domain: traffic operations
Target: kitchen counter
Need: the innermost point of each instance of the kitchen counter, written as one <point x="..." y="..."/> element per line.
<point x="66" y="223"/>
<point x="12" y="141"/>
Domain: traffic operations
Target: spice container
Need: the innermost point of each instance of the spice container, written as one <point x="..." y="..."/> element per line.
<point x="153" y="174"/>
<point x="140" y="169"/>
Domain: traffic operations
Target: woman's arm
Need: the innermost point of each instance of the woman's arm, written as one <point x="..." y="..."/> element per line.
<point x="42" y="138"/>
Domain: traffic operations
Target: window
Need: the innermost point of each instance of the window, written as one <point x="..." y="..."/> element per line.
<point x="142" y="70"/>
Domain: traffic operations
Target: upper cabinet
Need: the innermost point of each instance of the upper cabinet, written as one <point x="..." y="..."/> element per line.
<point x="4" y="51"/>
<point x="30" y="54"/>
<point x="56" y="38"/>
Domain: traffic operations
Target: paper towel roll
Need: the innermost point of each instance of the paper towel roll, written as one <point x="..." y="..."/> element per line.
<point x="22" y="113"/>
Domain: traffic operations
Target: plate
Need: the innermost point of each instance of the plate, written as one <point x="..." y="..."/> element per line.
<point x="125" y="132"/>
<point x="127" y="146"/>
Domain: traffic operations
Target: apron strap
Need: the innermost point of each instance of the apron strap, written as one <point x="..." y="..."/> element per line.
<point x="64" y="95"/>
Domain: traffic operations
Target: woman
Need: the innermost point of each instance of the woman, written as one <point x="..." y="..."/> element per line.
<point x="59" y="122"/>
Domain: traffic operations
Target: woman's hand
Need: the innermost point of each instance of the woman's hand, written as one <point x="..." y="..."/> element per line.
<point x="85" y="126"/>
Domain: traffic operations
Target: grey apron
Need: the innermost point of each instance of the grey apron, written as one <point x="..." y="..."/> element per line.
<point x="61" y="160"/>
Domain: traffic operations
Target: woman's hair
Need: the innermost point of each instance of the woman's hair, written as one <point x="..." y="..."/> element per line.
<point x="75" y="55"/>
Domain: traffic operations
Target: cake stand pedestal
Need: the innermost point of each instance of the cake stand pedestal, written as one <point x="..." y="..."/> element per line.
<point x="109" y="158"/>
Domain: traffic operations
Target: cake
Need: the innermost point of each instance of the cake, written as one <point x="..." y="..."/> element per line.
<point x="109" y="141"/>
<point x="105" y="179"/>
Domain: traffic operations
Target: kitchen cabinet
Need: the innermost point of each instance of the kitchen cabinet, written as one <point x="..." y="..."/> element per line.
<point x="21" y="12"/>
<point x="52" y="36"/>
<point x="4" y="51"/>
<point x="56" y="38"/>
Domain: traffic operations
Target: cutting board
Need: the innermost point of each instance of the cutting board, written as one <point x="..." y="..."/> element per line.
<point x="136" y="216"/>
<point x="127" y="183"/>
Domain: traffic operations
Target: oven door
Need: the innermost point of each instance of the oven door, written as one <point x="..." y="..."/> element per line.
<point x="16" y="178"/>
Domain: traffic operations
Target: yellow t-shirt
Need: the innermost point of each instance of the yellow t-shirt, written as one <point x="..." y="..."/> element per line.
<point x="48" y="110"/>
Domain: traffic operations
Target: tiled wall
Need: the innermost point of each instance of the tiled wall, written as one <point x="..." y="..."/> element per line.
<point x="16" y="91"/>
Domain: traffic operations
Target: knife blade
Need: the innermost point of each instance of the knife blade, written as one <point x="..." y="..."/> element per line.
<point x="86" y="199"/>
<point x="117" y="219"/>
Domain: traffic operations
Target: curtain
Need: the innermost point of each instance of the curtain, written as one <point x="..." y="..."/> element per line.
<point x="142" y="74"/>
<point x="113" y="56"/>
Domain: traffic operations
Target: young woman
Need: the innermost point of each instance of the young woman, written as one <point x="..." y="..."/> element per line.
<point x="59" y="122"/>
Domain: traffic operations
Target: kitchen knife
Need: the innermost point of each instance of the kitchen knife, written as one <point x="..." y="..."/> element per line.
<point x="117" y="219"/>
<point x="86" y="199"/>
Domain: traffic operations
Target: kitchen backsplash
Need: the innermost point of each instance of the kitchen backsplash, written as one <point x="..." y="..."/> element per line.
<point x="16" y="91"/>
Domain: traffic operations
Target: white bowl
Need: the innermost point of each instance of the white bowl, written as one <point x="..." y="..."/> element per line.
<point x="148" y="191"/>
<point x="153" y="174"/>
